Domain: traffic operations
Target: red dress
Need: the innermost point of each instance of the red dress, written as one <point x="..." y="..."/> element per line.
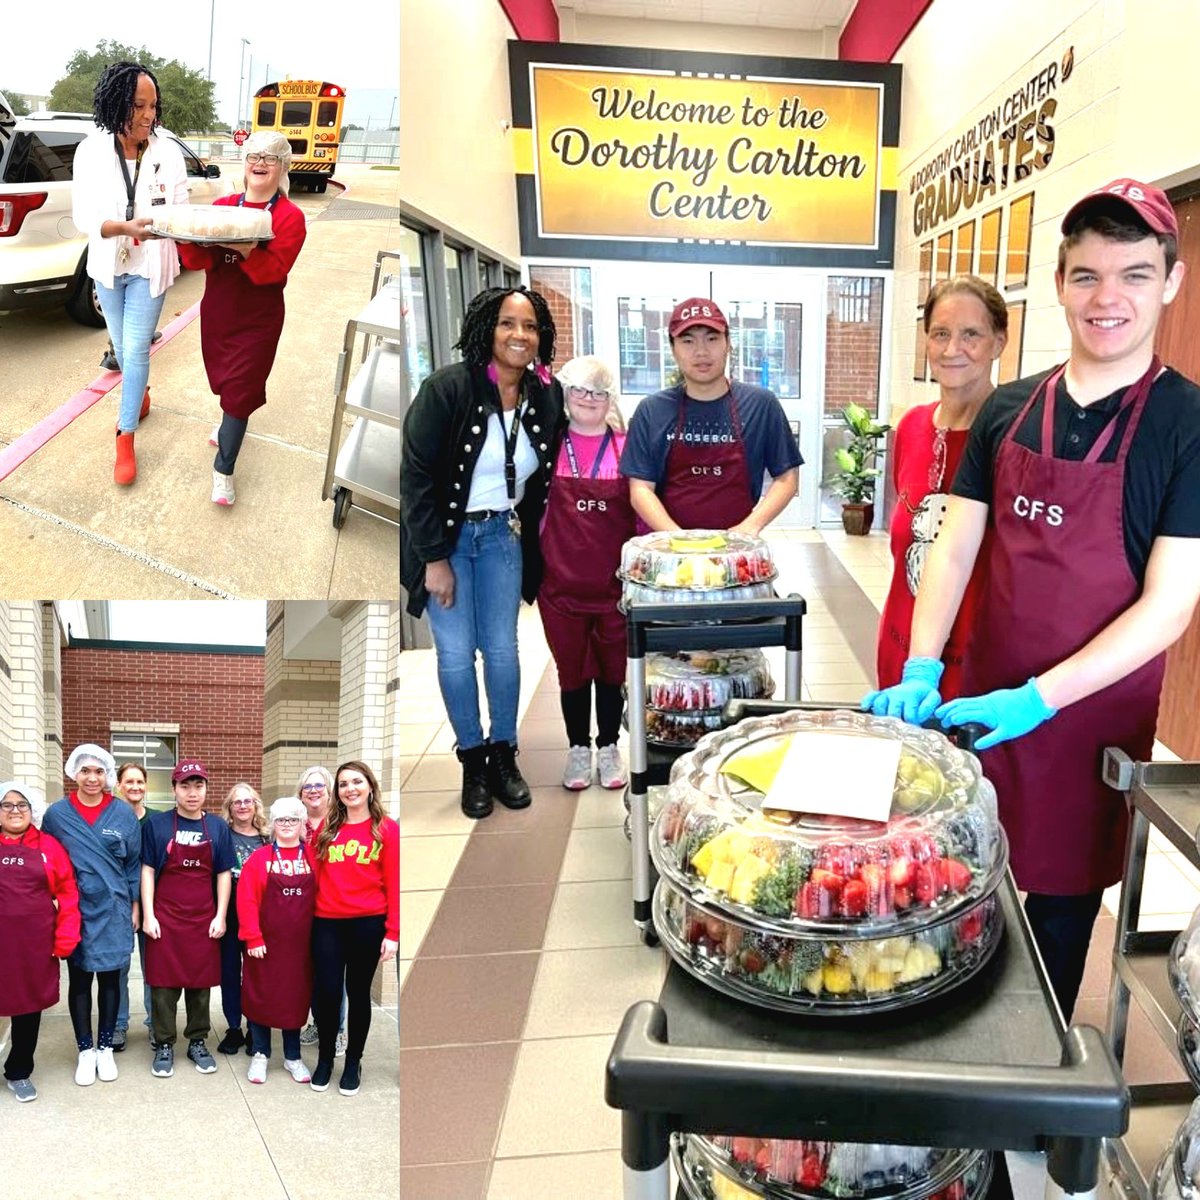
<point x="241" y="314"/>
<point x="921" y="485"/>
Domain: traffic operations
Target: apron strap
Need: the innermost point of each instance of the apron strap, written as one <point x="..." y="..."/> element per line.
<point x="1048" y="387"/>
<point x="1136" y="397"/>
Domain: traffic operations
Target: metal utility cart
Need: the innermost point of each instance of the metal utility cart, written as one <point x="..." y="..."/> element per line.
<point x="1165" y="795"/>
<point x="364" y="470"/>
<point x="746" y="624"/>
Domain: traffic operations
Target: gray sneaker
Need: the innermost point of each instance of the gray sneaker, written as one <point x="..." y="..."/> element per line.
<point x="23" y="1089"/>
<point x="164" y="1061"/>
<point x="198" y="1053"/>
<point x="308" y="1035"/>
<point x="339" y="1045"/>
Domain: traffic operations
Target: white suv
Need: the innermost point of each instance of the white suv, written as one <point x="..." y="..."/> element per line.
<point x="42" y="254"/>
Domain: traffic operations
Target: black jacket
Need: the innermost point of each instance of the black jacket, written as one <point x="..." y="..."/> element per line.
<point x="444" y="432"/>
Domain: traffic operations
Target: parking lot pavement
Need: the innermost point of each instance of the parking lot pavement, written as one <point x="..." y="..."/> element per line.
<point x="62" y="517"/>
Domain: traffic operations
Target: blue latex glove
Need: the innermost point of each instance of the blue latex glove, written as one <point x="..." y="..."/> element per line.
<point x="914" y="698"/>
<point x="1009" y="713"/>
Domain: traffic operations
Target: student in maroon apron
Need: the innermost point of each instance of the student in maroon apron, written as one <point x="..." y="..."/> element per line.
<point x="187" y="858"/>
<point x="588" y="519"/>
<point x="697" y="453"/>
<point x="40" y="903"/>
<point x="1086" y="484"/>
<point x="241" y="314"/>
<point x="275" y="899"/>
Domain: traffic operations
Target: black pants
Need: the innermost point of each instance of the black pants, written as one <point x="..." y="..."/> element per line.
<point x="1062" y="928"/>
<point x="79" y="1004"/>
<point x="19" y="1063"/>
<point x="229" y="443"/>
<point x="577" y="714"/>
<point x="345" y="951"/>
<point x="231" y="967"/>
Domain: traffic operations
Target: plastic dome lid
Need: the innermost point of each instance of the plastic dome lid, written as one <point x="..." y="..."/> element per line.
<point x="1183" y="967"/>
<point x="705" y="680"/>
<point x="1177" y="1176"/>
<point x="696" y="559"/>
<point x="941" y="849"/>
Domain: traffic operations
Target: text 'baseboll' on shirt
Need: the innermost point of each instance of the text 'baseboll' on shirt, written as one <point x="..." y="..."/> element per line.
<point x="487" y="482"/>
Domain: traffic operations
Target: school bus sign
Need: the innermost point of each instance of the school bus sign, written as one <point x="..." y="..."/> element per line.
<point x="675" y="157"/>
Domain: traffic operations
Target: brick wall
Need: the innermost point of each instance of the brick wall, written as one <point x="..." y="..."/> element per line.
<point x="853" y="341"/>
<point x="216" y="700"/>
<point x="555" y="284"/>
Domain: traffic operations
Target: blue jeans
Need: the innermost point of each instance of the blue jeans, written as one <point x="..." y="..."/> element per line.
<point x="123" y="986"/>
<point x="131" y="314"/>
<point x="260" y="1041"/>
<point x="483" y="618"/>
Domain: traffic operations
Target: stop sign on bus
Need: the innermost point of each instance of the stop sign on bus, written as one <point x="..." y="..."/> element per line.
<point x="239" y="136"/>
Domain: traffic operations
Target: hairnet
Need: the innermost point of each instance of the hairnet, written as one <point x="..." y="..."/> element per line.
<point x="91" y="753"/>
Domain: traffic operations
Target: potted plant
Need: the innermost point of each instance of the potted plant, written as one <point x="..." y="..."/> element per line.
<point x="855" y="480"/>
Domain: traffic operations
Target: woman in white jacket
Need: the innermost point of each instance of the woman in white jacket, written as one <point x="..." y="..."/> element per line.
<point x="122" y="173"/>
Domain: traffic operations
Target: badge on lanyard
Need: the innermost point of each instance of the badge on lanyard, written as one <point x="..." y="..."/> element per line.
<point x="510" y="470"/>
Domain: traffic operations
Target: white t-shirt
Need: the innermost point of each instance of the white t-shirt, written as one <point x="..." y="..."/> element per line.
<point x="487" y="481"/>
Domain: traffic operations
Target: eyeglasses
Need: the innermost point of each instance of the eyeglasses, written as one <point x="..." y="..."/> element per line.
<point x="287" y="820"/>
<point x="313" y="787"/>
<point x="578" y="393"/>
<point x="242" y="800"/>
<point x="267" y="159"/>
<point x="20" y="806"/>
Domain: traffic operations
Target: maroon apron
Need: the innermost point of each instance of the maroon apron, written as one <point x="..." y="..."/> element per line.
<point x="29" y="981"/>
<point x="240" y="324"/>
<point x="185" y="956"/>
<point x="277" y="989"/>
<point x="1057" y="575"/>
<point x="707" y="487"/>
<point x="587" y="522"/>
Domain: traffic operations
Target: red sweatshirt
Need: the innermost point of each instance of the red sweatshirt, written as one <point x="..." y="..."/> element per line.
<point x="361" y="878"/>
<point x="253" y="881"/>
<point x="63" y="890"/>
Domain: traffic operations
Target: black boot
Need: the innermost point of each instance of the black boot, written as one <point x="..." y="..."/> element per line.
<point x="476" y="796"/>
<point x="504" y="778"/>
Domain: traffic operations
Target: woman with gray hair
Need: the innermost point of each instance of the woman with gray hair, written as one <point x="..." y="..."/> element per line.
<point x="104" y="843"/>
<point x="241" y="314"/>
<point x="276" y="897"/>
<point x="588" y="520"/>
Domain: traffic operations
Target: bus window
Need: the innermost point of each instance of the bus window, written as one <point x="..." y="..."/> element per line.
<point x="327" y="112"/>
<point x="296" y="112"/>
<point x="266" y="112"/>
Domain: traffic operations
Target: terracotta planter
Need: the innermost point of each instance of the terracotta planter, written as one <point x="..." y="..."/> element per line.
<point x="857" y="518"/>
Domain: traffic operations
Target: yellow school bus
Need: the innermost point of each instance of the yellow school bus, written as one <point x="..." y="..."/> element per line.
<point x="308" y="113"/>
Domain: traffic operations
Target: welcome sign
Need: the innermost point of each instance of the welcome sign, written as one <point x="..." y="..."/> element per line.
<point x="774" y="160"/>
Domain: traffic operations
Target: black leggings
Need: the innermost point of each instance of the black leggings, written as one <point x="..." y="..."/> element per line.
<point x="1062" y="928"/>
<point x="229" y="443"/>
<point x="577" y="714"/>
<point x="79" y="1003"/>
<point x="19" y="1063"/>
<point x="345" y="950"/>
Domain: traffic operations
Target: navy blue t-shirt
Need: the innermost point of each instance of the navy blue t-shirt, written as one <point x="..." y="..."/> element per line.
<point x="768" y="441"/>
<point x="158" y="831"/>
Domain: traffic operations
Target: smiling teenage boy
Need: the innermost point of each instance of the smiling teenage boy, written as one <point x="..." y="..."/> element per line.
<point x="1087" y="484"/>
<point x="187" y="857"/>
<point x="696" y="454"/>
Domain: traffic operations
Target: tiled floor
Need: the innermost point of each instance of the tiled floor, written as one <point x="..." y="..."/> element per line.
<point x="519" y="953"/>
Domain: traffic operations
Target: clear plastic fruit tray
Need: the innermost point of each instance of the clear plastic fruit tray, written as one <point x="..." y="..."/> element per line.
<point x="741" y="1168"/>
<point x="704" y="560"/>
<point x="692" y="681"/>
<point x="799" y="873"/>
<point x="1187" y="1039"/>
<point x="1177" y="1176"/>
<point x="1183" y="968"/>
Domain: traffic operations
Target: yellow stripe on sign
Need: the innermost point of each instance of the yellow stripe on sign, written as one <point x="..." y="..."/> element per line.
<point x="522" y="146"/>
<point x="889" y="167"/>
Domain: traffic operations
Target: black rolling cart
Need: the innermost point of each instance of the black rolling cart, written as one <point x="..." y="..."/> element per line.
<point x="747" y="624"/>
<point x="1165" y="796"/>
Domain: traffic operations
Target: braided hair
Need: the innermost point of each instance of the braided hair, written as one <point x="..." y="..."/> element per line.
<point x="483" y="315"/>
<point x="112" y="101"/>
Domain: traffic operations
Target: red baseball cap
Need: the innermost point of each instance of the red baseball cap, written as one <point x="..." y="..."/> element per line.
<point x="698" y="310"/>
<point x="1150" y="203"/>
<point x="190" y="768"/>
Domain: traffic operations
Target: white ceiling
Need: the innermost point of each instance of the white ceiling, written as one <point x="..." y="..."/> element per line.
<point x="778" y="14"/>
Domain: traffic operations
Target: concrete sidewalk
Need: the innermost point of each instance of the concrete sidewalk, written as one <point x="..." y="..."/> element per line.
<point x="67" y="530"/>
<point x="203" y="1137"/>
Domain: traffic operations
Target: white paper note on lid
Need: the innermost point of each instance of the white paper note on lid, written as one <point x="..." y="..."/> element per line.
<point x="837" y="774"/>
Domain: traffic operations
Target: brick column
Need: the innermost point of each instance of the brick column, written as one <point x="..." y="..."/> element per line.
<point x="52" y="731"/>
<point x="27" y="723"/>
<point x="6" y="728"/>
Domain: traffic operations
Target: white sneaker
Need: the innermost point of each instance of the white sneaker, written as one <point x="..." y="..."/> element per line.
<point x="339" y="1044"/>
<point x="297" y="1070"/>
<point x="610" y="767"/>
<point x="577" y="774"/>
<point x="106" y="1067"/>
<point x="85" y="1072"/>
<point x="212" y="437"/>
<point x="222" y="492"/>
<point x="257" y="1071"/>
